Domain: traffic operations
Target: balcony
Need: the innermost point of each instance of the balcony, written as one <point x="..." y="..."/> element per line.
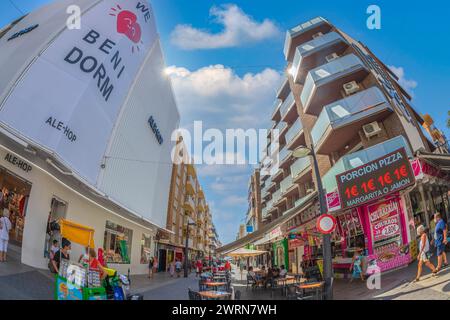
<point x="286" y="185"/>
<point x="294" y="133"/>
<point x="300" y="167"/>
<point x="190" y="186"/>
<point x="359" y="158"/>
<point x="341" y="121"/>
<point x="303" y="33"/>
<point x="281" y="126"/>
<point x="284" y="155"/>
<point x="283" y="89"/>
<point x="312" y="54"/>
<point x="276" y="110"/>
<point x="324" y="84"/>
<point x="276" y="196"/>
<point x="287" y="105"/>
<point x="189" y="204"/>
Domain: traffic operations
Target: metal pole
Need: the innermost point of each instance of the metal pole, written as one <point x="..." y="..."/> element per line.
<point x="186" y="252"/>
<point x="327" y="258"/>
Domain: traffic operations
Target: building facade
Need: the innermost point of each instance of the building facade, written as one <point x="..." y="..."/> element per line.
<point x="339" y="99"/>
<point x="86" y="117"/>
<point x="187" y="203"/>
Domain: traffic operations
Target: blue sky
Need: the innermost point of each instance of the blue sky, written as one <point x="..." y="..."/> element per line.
<point x="233" y="86"/>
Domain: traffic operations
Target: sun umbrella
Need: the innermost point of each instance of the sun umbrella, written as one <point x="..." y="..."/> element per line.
<point x="245" y="253"/>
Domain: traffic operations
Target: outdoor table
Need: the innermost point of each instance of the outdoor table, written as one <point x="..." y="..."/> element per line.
<point x="284" y="282"/>
<point x="215" y="285"/>
<point x="316" y="286"/>
<point x="214" y="294"/>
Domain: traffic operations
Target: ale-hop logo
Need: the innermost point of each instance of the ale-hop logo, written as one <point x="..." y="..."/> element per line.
<point x="128" y="25"/>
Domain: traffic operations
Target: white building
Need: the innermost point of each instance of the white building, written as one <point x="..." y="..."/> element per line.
<point x="86" y="117"/>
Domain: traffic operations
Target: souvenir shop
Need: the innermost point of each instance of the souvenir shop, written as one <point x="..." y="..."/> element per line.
<point x="14" y="196"/>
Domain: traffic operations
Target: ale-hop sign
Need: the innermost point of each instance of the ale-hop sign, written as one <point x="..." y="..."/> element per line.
<point x="375" y="179"/>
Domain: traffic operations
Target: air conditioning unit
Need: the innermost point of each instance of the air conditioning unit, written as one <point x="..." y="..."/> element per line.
<point x="331" y="57"/>
<point x="351" y="87"/>
<point x="317" y="35"/>
<point x="372" y="129"/>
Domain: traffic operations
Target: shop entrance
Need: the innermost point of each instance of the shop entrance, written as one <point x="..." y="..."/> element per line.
<point x="162" y="260"/>
<point x="14" y="196"/>
<point x="58" y="210"/>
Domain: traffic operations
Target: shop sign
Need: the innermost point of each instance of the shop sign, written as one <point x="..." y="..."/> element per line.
<point x="155" y="129"/>
<point x="422" y="169"/>
<point x="295" y="243"/>
<point x="15" y="161"/>
<point x="384" y="220"/>
<point x="93" y="69"/>
<point x="376" y="179"/>
<point x="22" y="32"/>
<point x="275" y="233"/>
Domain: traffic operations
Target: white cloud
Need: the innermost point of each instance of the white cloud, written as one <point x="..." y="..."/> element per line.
<point x="234" y="200"/>
<point x="222" y="99"/>
<point x="407" y="84"/>
<point x="238" y="28"/>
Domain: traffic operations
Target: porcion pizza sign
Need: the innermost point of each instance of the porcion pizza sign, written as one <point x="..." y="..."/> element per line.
<point x="375" y="179"/>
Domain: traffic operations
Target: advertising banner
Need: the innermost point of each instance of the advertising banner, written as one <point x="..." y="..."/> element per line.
<point x="69" y="99"/>
<point x="385" y="227"/>
<point x="376" y="179"/>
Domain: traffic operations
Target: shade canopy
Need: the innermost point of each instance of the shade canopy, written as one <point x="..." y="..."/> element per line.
<point x="77" y="233"/>
<point x="245" y="253"/>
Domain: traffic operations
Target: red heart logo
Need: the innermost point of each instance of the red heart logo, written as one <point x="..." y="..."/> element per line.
<point x="126" y="24"/>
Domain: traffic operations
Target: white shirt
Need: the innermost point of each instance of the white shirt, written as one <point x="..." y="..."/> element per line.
<point x="283" y="272"/>
<point x="4" y="232"/>
<point x="427" y="245"/>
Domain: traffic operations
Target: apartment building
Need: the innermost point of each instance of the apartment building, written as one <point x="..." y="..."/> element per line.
<point x="187" y="203"/>
<point x="339" y="99"/>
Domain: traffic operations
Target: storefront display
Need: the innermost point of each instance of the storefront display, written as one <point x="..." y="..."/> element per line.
<point x="14" y="196"/>
<point x="117" y="243"/>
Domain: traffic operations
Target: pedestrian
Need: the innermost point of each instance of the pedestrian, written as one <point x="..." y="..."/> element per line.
<point x="150" y="268"/>
<point x="178" y="266"/>
<point x="5" y="227"/>
<point x="54" y="249"/>
<point x="357" y="266"/>
<point x="94" y="263"/>
<point x="199" y="268"/>
<point x="228" y="266"/>
<point x="424" y="253"/>
<point x="172" y="268"/>
<point x="155" y="265"/>
<point x="63" y="253"/>
<point x="440" y="241"/>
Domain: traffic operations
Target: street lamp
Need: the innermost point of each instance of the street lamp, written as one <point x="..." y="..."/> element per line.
<point x="190" y="222"/>
<point x="302" y="152"/>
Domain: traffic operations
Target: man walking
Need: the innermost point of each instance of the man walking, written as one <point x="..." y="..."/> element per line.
<point x="440" y="240"/>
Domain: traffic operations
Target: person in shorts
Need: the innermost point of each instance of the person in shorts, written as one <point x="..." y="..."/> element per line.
<point x="5" y="227"/>
<point x="178" y="267"/>
<point x="440" y="240"/>
<point x="424" y="253"/>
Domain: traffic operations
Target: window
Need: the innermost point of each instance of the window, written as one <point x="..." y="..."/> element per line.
<point x="117" y="244"/>
<point x="145" y="249"/>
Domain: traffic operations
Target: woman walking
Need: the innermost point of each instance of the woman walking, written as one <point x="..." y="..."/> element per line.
<point x="357" y="266"/>
<point x="424" y="253"/>
<point x="5" y="227"/>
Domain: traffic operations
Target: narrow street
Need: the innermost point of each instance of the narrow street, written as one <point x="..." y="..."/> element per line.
<point x="18" y="282"/>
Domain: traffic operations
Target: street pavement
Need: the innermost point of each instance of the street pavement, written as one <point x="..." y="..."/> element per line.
<point x="18" y="281"/>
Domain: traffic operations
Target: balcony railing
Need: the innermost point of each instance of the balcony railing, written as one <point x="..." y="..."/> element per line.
<point x="313" y="46"/>
<point x="299" y="166"/>
<point x="281" y="126"/>
<point x="190" y="203"/>
<point x="347" y="110"/>
<point x="359" y="158"/>
<point x="287" y="104"/>
<point x="276" y="196"/>
<point x="286" y="184"/>
<point x="327" y="73"/>
<point x="298" y="30"/>
<point x="284" y="154"/>
<point x="293" y="131"/>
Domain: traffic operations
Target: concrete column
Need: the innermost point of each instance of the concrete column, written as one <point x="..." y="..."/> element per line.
<point x="424" y="201"/>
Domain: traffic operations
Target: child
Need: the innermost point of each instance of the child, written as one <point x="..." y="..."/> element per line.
<point x="357" y="266"/>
